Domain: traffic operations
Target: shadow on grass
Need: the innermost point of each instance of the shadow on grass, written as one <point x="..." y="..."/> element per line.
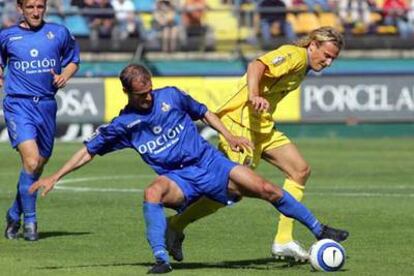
<point x="51" y="234"/>
<point x="255" y="264"/>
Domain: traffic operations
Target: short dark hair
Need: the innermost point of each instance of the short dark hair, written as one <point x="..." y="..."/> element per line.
<point x="20" y="2"/>
<point x="134" y="72"/>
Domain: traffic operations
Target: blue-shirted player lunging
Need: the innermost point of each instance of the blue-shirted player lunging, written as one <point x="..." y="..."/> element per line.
<point x="158" y="124"/>
<point x="34" y="53"/>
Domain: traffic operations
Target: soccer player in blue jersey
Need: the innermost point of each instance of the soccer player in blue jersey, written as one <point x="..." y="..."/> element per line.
<point x="158" y="124"/>
<point x="40" y="58"/>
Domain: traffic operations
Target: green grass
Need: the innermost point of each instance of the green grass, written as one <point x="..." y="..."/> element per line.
<point x="365" y="186"/>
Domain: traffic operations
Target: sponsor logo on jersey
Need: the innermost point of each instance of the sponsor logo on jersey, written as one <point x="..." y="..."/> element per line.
<point x="278" y="60"/>
<point x="35" y="66"/>
<point x="14" y="38"/>
<point x="34" y="52"/>
<point x="134" y="123"/>
<point x="157" y="129"/>
<point x="163" y="141"/>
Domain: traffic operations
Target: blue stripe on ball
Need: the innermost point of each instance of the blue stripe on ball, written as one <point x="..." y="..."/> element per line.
<point x="321" y="262"/>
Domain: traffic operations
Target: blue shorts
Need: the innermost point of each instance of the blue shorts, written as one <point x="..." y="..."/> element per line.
<point x="209" y="177"/>
<point x="31" y="118"/>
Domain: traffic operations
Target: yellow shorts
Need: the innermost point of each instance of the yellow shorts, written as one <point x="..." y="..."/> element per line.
<point x="262" y="142"/>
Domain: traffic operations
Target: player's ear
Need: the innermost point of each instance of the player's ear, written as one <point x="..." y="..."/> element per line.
<point x="20" y="8"/>
<point x="19" y="4"/>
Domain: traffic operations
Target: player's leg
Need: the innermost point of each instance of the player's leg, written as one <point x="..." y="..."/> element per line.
<point x="32" y="134"/>
<point x="248" y="183"/>
<point x="205" y="206"/>
<point x="177" y="223"/>
<point x="161" y="192"/>
<point x="33" y="165"/>
<point x="25" y="203"/>
<point x="289" y="160"/>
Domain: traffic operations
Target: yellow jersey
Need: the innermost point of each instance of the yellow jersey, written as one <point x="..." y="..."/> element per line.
<point x="287" y="67"/>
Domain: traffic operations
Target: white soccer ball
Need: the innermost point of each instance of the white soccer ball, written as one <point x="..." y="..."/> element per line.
<point x="327" y="255"/>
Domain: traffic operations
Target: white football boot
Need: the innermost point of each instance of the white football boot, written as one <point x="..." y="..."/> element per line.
<point x="290" y="251"/>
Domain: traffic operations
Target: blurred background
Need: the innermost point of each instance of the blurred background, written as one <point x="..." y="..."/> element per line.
<point x="203" y="47"/>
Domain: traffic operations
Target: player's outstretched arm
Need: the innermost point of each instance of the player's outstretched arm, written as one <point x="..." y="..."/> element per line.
<point x="236" y="143"/>
<point x="78" y="160"/>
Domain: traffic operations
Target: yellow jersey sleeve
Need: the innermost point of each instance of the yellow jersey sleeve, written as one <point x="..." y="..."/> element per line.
<point x="287" y="67"/>
<point x="285" y="60"/>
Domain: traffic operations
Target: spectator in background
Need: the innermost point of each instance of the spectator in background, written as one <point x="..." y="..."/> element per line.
<point x="272" y="20"/>
<point x="317" y="5"/>
<point x="410" y="15"/>
<point x="193" y="12"/>
<point x="10" y="15"/>
<point x="82" y="3"/>
<point x="165" y="22"/>
<point x="356" y="15"/>
<point x="396" y="14"/>
<point x="101" y="20"/>
<point x="127" y="24"/>
<point x="56" y="7"/>
<point x="192" y="18"/>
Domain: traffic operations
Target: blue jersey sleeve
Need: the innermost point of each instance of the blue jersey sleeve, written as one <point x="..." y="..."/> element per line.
<point x="107" y="138"/>
<point x="3" y="52"/>
<point x="70" y="49"/>
<point x="195" y="109"/>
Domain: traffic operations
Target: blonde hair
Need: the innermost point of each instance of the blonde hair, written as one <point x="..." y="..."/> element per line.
<point x="322" y="34"/>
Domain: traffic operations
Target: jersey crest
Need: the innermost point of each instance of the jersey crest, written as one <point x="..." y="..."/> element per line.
<point x="165" y="107"/>
<point x="50" y="35"/>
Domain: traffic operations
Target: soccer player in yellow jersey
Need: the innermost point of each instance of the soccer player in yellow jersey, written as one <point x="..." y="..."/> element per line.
<point x="249" y="112"/>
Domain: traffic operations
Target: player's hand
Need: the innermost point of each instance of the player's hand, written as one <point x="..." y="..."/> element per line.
<point x="59" y="81"/>
<point x="1" y="82"/>
<point x="240" y="144"/>
<point x="46" y="183"/>
<point x="259" y="103"/>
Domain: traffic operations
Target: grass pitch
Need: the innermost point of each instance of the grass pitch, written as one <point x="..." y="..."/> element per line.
<point x="92" y="223"/>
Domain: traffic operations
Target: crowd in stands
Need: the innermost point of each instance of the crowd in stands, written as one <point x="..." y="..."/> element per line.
<point x="172" y="25"/>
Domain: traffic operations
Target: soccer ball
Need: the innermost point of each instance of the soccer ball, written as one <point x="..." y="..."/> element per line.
<point x="327" y="255"/>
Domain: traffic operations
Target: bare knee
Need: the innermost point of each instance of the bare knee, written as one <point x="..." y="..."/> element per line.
<point x="32" y="165"/>
<point x="301" y="175"/>
<point x="270" y="192"/>
<point x="155" y="191"/>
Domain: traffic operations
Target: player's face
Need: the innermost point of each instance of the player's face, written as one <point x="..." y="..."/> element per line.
<point x="33" y="12"/>
<point x="322" y="55"/>
<point x="140" y="96"/>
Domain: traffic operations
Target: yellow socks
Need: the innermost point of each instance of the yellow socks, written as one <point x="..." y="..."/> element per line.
<point x="285" y="227"/>
<point x="199" y="209"/>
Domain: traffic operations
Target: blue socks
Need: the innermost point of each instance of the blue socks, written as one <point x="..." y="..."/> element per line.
<point x="25" y="202"/>
<point x="156" y="227"/>
<point x="292" y="208"/>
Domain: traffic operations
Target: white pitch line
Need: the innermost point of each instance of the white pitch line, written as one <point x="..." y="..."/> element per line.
<point x="337" y="190"/>
<point x="150" y="176"/>
<point x="104" y="178"/>
<point x="101" y="190"/>
<point x="339" y="194"/>
<point x="362" y="194"/>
